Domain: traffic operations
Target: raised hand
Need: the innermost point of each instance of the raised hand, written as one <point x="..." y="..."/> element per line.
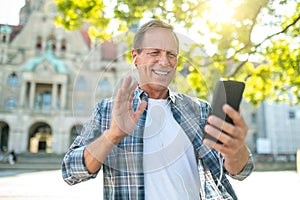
<point x="124" y="120"/>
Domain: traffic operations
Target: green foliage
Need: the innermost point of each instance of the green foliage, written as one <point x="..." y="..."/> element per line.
<point x="227" y="30"/>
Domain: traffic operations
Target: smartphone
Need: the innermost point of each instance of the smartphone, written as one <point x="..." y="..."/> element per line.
<point x="226" y="92"/>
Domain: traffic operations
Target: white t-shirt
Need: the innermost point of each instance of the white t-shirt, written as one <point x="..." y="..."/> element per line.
<point x="170" y="167"/>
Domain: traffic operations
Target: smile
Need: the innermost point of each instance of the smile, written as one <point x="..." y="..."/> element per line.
<point x="160" y="73"/>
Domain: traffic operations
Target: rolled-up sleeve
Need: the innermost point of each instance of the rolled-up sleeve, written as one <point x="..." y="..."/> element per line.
<point x="247" y="170"/>
<point x="73" y="167"/>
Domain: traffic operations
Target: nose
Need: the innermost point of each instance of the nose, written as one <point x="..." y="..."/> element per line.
<point x="164" y="59"/>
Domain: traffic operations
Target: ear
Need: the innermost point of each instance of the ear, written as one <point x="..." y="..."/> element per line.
<point x="134" y="56"/>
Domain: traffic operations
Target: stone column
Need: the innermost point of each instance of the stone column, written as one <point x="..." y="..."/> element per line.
<point x="63" y="96"/>
<point x="23" y="93"/>
<point x="54" y="96"/>
<point x="16" y="142"/>
<point x="298" y="161"/>
<point x="32" y="94"/>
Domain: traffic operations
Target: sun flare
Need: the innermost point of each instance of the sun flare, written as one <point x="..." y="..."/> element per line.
<point x="220" y="11"/>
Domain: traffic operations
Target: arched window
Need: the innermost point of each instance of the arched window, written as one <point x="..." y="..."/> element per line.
<point x="104" y="85"/>
<point x="63" y="46"/>
<point x="75" y="131"/>
<point x="39" y="42"/>
<point x="81" y="83"/>
<point x="51" y="38"/>
<point x="4" y="135"/>
<point x="10" y="104"/>
<point x="79" y="107"/>
<point x="13" y="79"/>
<point x="4" y="38"/>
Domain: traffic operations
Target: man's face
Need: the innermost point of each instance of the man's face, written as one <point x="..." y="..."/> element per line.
<point x="157" y="60"/>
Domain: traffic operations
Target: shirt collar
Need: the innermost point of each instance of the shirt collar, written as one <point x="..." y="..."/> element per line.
<point x="141" y="94"/>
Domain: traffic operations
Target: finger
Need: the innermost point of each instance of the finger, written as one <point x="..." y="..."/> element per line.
<point x="129" y="104"/>
<point x="125" y="91"/>
<point x="133" y="87"/>
<point x="218" y="134"/>
<point x="126" y="83"/>
<point x="221" y="124"/>
<point x="234" y="115"/>
<point x="139" y="111"/>
<point x="217" y="146"/>
<point x="118" y="100"/>
<point x="225" y="143"/>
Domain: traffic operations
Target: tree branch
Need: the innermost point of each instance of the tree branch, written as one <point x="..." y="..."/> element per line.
<point x="279" y="32"/>
<point x="259" y="44"/>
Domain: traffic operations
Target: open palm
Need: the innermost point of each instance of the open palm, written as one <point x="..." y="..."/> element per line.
<point x="124" y="120"/>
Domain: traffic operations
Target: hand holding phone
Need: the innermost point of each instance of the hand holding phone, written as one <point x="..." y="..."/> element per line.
<point x="226" y="92"/>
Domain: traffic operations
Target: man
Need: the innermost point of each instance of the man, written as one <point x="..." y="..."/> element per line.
<point x="149" y="140"/>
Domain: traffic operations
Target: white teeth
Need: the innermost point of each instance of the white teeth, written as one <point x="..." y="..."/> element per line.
<point x="161" y="73"/>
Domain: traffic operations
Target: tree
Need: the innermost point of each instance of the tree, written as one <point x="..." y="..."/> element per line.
<point x="227" y="32"/>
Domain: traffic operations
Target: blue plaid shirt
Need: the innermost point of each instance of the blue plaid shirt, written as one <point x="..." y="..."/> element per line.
<point x="123" y="169"/>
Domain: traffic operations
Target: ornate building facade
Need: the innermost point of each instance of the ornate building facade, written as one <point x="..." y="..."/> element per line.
<point x="50" y="80"/>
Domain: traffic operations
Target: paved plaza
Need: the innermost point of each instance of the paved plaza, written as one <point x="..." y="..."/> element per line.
<point x="48" y="185"/>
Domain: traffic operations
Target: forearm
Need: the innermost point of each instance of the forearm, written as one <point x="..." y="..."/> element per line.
<point x="96" y="152"/>
<point x="83" y="162"/>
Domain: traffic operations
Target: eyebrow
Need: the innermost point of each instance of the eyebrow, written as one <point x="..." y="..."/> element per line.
<point x="159" y="49"/>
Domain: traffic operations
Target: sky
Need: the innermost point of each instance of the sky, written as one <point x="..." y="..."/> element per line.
<point x="9" y="11"/>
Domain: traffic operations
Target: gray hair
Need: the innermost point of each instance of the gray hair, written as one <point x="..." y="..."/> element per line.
<point x="155" y="23"/>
